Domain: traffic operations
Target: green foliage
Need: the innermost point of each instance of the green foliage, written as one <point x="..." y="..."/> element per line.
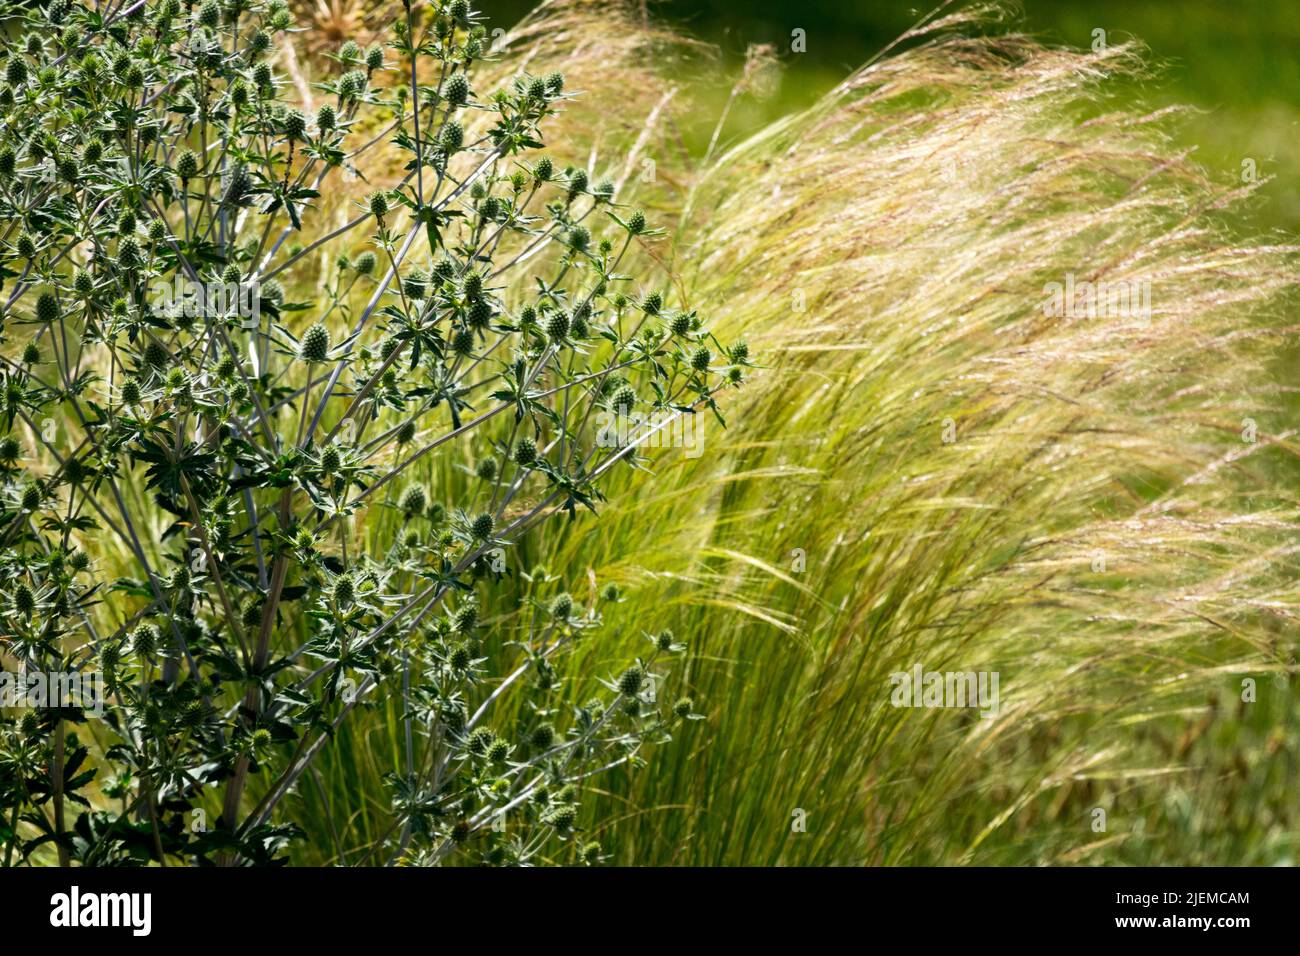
<point x="151" y="150"/>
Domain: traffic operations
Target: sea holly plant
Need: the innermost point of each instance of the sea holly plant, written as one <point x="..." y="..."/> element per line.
<point x="229" y="426"/>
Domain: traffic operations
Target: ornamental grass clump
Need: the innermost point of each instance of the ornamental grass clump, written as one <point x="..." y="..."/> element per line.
<point x="195" y="435"/>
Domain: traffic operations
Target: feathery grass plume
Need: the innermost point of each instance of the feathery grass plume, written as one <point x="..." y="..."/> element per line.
<point x="937" y="470"/>
<point x="1066" y="501"/>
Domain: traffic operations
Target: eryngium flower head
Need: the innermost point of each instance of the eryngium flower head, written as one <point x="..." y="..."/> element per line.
<point x="700" y="359"/>
<point x="413" y="500"/>
<point x="562" y="606"/>
<point x="487" y="469"/>
<point x="295" y="125"/>
<point x="624" y="399"/>
<point x="315" y="344"/>
<point x="543" y="736"/>
<point x="557" y="326"/>
<point x="483" y="526"/>
<point x="684" y="707"/>
<point x="47" y="308"/>
<point x="156" y="354"/>
<point x="561" y="817"/>
<point x="326" y="118"/>
<point x="636" y="223"/>
<point x="365" y="263"/>
<point x="453" y="136"/>
<point x="144" y="639"/>
<point x="465" y="618"/>
<point x="187" y="165"/>
<point x="456" y="92"/>
<point x="631" y="680"/>
<point x="24" y="600"/>
<point x="525" y="452"/>
<point x="344" y="591"/>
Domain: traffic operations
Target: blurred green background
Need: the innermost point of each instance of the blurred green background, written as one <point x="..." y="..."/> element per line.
<point x="1237" y="63"/>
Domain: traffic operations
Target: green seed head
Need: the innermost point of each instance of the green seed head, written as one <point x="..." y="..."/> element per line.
<point x="131" y="391"/>
<point x="479" y="741"/>
<point x="577" y="183"/>
<point x="413" y="500"/>
<point x="579" y="238"/>
<point x="416" y="285"/>
<point x="378" y="204"/>
<point x="525" y="452"/>
<point x="561" y="817"/>
<point x="330" y="459"/>
<point x="562" y="606"/>
<point x="544" y="169"/>
<point x="631" y="680"/>
<point x="365" y="263"/>
<point x="187" y="165"/>
<point x="295" y="125"/>
<point x="326" y="118"/>
<point x="554" y="84"/>
<point x="251" y="615"/>
<point x="24" y="600"/>
<point x="487" y="469"/>
<point x="144" y="639"/>
<point x="498" y="750"/>
<point x="465" y="618"/>
<point x="315" y="344"/>
<point x="463" y="341"/>
<point x="664" y="641"/>
<point x="156" y="355"/>
<point x="31" y="354"/>
<point x="375" y="57"/>
<point x="194" y="715"/>
<point x="16" y="72"/>
<point x="453" y="136"/>
<point x="636" y="223"/>
<point x="543" y="736"/>
<point x="680" y="324"/>
<point x="684" y="707"/>
<point x="344" y="591"/>
<point x="557" y="326"/>
<point x="483" y="526"/>
<point x="460" y="657"/>
<point x="47" y="308"/>
<point x="209" y="15"/>
<point x="456" y="92"/>
<point x="700" y="359"/>
<point x="406" y="434"/>
<point x="352" y="85"/>
<point x="624" y="399"/>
